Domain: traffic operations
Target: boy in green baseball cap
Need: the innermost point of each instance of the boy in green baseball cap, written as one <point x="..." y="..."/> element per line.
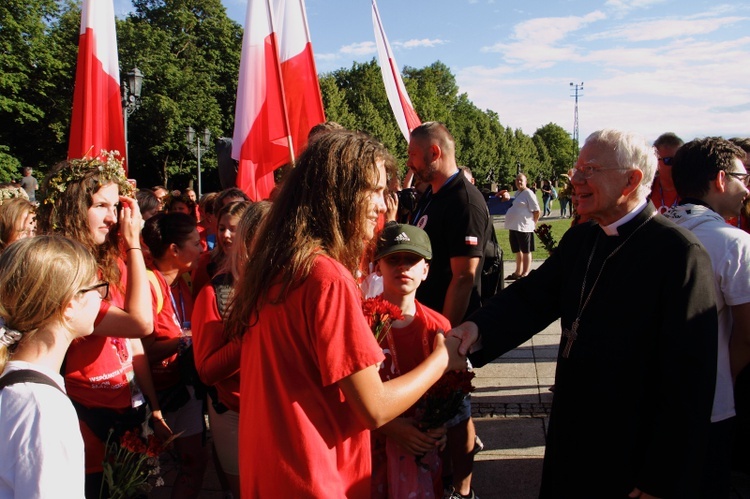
<point x="402" y="260"/>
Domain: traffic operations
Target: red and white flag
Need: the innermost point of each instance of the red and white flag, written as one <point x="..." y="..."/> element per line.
<point x="403" y="109"/>
<point x="97" y="108"/>
<point x="278" y="96"/>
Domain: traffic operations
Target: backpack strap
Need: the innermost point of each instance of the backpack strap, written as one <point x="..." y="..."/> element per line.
<point x="157" y="289"/>
<point x="27" y="376"/>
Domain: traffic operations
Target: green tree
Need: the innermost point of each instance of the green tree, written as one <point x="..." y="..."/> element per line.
<point x="334" y="102"/>
<point x="433" y="91"/>
<point x="189" y="52"/>
<point x="10" y="167"/>
<point x="37" y="59"/>
<point x="560" y="146"/>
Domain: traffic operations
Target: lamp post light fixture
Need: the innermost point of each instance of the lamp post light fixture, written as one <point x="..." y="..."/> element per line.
<point x="131" y="100"/>
<point x="196" y="149"/>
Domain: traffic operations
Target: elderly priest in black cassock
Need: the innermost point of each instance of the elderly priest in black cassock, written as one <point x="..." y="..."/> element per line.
<point x="637" y="361"/>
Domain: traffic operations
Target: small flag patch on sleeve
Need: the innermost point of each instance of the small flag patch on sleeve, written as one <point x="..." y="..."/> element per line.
<point x="471" y="240"/>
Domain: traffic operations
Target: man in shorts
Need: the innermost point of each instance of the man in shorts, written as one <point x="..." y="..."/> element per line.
<point x="521" y="220"/>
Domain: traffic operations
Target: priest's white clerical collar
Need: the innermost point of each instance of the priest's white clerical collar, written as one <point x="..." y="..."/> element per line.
<point x="611" y="229"/>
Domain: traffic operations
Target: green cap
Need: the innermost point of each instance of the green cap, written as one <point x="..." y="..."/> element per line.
<point x="398" y="238"/>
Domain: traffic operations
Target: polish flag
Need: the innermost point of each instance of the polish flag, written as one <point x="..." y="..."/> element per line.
<point x="97" y="108"/>
<point x="403" y="109"/>
<point x="278" y="96"/>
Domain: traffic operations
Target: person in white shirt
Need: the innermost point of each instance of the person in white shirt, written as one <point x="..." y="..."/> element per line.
<point x="521" y="221"/>
<point x="49" y="296"/>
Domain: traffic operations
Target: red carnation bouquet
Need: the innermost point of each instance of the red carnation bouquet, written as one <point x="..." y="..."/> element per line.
<point x="544" y="232"/>
<point x="380" y="315"/>
<point x="131" y="466"/>
<point x="443" y="401"/>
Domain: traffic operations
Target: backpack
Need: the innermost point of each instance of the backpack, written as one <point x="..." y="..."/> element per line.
<point x="27" y="376"/>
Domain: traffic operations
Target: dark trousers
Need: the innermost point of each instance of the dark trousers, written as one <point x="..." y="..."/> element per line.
<point x="717" y="465"/>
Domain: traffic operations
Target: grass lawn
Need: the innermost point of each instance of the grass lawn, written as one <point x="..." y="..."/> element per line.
<point x="559" y="226"/>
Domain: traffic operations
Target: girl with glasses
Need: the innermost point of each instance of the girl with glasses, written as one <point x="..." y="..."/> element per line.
<point x="42" y="451"/>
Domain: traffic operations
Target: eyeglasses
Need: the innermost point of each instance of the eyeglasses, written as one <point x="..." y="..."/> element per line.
<point x="102" y="288"/>
<point x="667" y="160"/>
<point x="587" y="171"/>
<point x="742" y="177"/>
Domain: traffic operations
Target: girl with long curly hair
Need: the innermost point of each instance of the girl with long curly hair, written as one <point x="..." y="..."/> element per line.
<point x="107" y="374"/>
<point x="310" y="386"/>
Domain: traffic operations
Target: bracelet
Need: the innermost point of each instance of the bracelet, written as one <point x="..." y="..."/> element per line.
<point x="134" y="248"/>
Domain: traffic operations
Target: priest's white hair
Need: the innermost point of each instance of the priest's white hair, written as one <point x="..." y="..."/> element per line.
<point x="632" y="151"/>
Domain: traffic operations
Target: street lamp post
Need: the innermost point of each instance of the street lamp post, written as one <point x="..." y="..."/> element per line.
<point x="131" y="100"/>
<point x="197" y="150"/>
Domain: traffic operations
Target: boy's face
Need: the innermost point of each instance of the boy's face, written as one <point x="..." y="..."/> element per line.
<point x="402" y="272"/>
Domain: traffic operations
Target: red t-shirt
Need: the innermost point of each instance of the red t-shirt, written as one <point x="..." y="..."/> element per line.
<point x="165" y="372"/>
<point x="298" y="435"/>
<point x="217" y="360"/>
<point x="99" y="368"/>
<point x="200" y="274"/>
<point x="410" y="342"/>
<point x="411" y="345"/>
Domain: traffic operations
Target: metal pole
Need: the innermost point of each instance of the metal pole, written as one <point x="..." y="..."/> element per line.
<point x="125" y="119"/>
<point x="198" y="141"/>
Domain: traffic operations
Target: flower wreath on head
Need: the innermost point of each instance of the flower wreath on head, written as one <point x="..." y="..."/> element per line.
<point x="9" y="192"/>
<point x="109" y="166"/>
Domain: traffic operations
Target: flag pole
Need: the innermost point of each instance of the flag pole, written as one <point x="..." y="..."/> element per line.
<point x="277" y="66"/>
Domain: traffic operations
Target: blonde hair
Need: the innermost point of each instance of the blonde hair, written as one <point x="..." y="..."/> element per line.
<point x="38" y="278"/>
<point x="13" y="215"/>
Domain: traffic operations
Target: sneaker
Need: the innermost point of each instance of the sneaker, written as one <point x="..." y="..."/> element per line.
<point x="455" y="495"/>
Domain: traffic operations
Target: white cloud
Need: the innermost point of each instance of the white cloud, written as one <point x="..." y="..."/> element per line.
<point x="664" y="29"/>
<point x="693" y="88"/>
<point x="624" y="6"/>
<point x="326" y="57"/>
<point x="358" y="49"/>
<point x="424" y="42"/>
<point x="536" y="40"/>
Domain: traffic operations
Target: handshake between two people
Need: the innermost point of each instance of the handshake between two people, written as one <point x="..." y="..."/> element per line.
<point x="457" y="343"/>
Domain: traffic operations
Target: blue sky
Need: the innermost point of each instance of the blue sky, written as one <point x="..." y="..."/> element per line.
<point x="648" y="66"/>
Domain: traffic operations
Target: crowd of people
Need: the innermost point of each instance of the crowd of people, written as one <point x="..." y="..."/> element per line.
<point x="152" y="311"/>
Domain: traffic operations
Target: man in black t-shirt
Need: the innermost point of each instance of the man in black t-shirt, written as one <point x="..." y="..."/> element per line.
<point x="454" y="214"/>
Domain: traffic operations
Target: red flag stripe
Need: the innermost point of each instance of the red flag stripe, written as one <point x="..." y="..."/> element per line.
<point x="276" y="103"/>
<point x="97" y="122"/>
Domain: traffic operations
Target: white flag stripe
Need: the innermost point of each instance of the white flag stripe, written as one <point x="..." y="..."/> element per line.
<point x="99" y="16"/>
<point x="391" y="76"/>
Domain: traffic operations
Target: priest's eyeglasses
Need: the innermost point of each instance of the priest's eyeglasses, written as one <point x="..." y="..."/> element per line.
<point x="102" y="288"/>
<point x="587" y="171"/>
<point x="742" y="177"/>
